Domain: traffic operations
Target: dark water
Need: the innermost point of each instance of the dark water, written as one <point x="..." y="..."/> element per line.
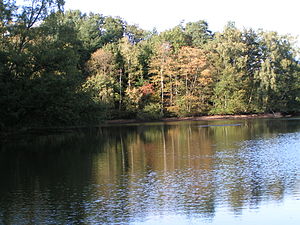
<point x="245" y="172"/>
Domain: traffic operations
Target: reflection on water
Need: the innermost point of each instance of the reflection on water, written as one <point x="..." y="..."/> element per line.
<point x="158" y="173"/>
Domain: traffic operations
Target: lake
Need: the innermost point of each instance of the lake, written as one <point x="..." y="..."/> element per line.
<point x="187" y="172"/>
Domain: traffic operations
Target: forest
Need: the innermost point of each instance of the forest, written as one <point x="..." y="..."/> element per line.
<point x="62" y="68"/>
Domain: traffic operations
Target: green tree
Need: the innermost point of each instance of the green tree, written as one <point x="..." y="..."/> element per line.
<point x="230" y="62"/>
<point x="198" y="33"/>
<point x="134" y="33"/>
<point x="40" y="78"/>
<point x="112" y="30"/>
<point x="176" y="37"/>
<point x="279" y="74"/>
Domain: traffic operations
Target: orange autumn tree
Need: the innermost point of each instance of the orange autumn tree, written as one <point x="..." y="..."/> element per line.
<point x="194" y="86"/>
<point x="182" y="80"/>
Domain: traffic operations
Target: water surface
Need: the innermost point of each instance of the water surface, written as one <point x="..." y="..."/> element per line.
<point x="208" y="172"/>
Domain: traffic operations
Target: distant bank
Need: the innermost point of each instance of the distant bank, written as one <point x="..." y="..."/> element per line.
<point x="13" y="135"/>
<point x="202" y="118"/>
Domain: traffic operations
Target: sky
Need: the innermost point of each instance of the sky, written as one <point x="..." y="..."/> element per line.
<point x="282" y="16"/>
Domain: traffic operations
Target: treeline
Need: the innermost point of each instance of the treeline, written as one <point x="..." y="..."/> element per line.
<point x="64" y="68"/>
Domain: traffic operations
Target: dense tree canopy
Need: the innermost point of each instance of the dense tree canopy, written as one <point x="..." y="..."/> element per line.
<point x="64" y="68"/>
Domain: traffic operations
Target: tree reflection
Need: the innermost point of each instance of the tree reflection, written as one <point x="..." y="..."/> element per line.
<point x="124" y="174"/>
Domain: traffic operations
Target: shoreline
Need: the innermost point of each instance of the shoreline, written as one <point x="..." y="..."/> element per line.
<point x="200" y="118"/>
<point x="40" y="131"/>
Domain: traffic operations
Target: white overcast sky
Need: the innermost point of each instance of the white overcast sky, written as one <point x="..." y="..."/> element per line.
<point x="276" y="15"/>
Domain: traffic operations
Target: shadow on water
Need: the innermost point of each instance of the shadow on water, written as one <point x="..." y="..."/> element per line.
<point x="130" y="173"/>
